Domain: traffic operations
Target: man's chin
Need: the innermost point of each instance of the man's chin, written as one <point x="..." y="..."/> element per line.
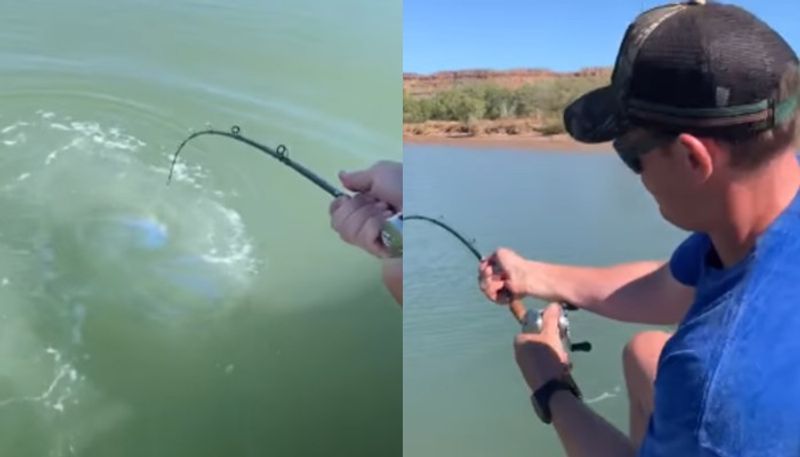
<point x="677" y="222"/>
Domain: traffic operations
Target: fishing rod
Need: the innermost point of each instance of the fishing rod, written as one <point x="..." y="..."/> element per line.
<point x="391" y="235"/>
<point x="515" y="305"/>
<point x="469" y="244"/>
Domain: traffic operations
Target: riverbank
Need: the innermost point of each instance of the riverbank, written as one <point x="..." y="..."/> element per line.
<point x="506" y="134"/>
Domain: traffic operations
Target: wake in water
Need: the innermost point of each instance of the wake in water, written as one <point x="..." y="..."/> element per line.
<point x="604" y="396"/>
<point x="92" y="209"/>
<point x="90" y="232"/>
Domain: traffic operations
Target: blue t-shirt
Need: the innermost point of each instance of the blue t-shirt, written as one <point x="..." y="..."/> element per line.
<point x="728" y="381"/>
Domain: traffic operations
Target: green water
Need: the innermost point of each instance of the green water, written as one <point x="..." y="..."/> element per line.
<point x="463" y="394"/>
<point x="220" y="315"/>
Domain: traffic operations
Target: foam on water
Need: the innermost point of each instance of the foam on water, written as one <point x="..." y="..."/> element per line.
<point x="15" y="139"/>
<point x="604" y="396"/>
<point x="90" y="228"/>
<point x="180" y="242"/>
<point x="12" y="127"/>
<point x="58" y="391"/>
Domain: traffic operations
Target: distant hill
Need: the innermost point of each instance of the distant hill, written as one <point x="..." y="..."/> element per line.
<point x="417" y="85"/>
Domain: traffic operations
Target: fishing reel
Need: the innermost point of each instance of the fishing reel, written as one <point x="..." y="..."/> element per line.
<point x="531" y="322"/>
<point x="392" y="235"/>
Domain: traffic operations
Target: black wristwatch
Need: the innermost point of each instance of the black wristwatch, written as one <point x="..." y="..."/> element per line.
<point x="541" y="398"/>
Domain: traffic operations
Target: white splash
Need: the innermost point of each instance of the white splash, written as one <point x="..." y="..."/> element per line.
<point x="58" y="126"/>
<point x="56" y="355"/>
<point x="65" y="373"/>
<point x="182" y="173"/>
<point x="12" y="127"/>
<point x="54" y="155"/>
<point x="114" y="139"/>
<point x="17" y="139"/>
<point x="240" y="248"/>
<point x="604" y="396"/>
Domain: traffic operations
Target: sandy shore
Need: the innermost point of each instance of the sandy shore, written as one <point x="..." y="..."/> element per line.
<point x="524" y="142"/>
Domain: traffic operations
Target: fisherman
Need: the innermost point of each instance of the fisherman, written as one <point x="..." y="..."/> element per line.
<point x="703" y="105"/>
<point x="359" y="219"/>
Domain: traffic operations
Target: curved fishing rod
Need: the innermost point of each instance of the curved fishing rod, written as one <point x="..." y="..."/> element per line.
<point x="515" y="305"/>
<point x="391" y="235"/>
<point x="280" y="153"/>
<point x="467" y="243"/>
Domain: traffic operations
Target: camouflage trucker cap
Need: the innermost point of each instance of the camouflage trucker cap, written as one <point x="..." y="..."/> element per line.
<point x="707" y="69"/>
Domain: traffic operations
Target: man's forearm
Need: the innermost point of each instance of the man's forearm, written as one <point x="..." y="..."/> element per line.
<point x="590" y="286"/>
<point x="393" y="278"/>
<point x="627" y="292"/>
<point x="583" y="432"/>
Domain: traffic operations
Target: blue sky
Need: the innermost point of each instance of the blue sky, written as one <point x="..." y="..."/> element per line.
<point x="561" y="35"/>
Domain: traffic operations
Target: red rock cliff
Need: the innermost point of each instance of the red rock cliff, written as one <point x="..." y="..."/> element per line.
<point x="424" y="85"/>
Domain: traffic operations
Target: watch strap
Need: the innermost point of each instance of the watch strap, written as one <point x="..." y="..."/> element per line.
<point x="543" y="394"/>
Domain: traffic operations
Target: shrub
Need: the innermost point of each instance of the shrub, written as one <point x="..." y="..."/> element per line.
<point x="544" y="101"/>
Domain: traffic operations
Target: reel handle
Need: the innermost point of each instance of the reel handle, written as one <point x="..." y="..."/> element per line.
<point x="583" y="346"/>
<point x="569" y="306"/>
<point x="518" y="310"/>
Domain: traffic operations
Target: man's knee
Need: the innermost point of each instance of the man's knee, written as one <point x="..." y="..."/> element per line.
<point x="640" y="355"/>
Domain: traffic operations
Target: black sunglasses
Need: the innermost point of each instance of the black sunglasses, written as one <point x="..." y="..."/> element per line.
<point x="633" y="145"/>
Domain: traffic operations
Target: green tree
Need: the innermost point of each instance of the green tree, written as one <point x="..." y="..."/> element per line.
<point x="500" y="102"/>
<point x="457" y="105"/>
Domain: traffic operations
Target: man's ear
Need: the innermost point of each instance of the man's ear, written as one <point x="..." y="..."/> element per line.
<point x="700" y="155"/>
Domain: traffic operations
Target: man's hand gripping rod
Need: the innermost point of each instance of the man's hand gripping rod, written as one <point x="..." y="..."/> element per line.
<point x="531" y="322"/>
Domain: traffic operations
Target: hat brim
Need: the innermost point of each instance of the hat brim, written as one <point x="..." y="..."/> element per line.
<point x="595" y="117"/>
